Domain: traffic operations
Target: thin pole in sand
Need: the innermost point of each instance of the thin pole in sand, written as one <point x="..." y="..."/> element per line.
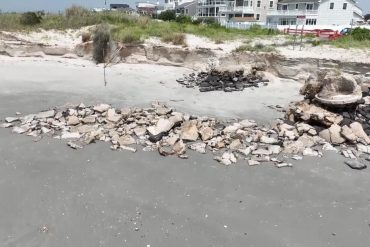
<point x="115" y="53"/>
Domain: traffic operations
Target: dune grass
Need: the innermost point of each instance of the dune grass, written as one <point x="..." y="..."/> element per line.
<point x="348" y="42"/>
<point x="127" y="28"/>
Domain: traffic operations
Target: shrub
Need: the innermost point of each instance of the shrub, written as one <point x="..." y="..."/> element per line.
<point x="259" y="47"/>
<point x="168" y="15"/>
<point x="101" y="42"/>
<point x="86" y="36"/>
<point x="30" y="18"/>
<point x="76" y="11"/>
<point x="183" y="19"/>
<point x="174" y="38"/>
<point x="361" y="34"/>
<point x="316" y="42"/>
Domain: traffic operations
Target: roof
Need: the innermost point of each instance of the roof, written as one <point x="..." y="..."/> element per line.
<point x="184" y="5"/>
<point x="299" y="1"/>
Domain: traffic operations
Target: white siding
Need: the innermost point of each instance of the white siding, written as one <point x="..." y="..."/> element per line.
<point x="336" y="16"/>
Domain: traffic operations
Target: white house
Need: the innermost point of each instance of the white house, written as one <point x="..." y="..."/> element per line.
<point x="172" y="4"/>
<point x="315" y="12"/>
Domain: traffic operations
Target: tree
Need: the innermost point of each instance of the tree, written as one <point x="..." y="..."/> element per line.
<point x="168" y="15"/>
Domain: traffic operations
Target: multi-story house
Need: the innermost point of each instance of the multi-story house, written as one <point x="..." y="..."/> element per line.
<point x="315" y="12"/>
<point x="172" y="4"/>
<point x="226" y="10"/>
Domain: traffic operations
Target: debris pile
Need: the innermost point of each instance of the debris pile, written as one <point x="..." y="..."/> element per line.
<point x="163" y="129"/>
<point x="223" y="80"/>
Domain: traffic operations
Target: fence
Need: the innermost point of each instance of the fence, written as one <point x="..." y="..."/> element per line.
<point x="246" y="25"/>
<point x="320" y="33"/>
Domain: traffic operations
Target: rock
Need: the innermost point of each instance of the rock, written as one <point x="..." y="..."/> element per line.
<point x="11" y="119"/>
<point x="363" y="148"/>
<point x="355" y="164"/>
<point x="262" y="151"/>
<point x="70" y="135"/>
<point x="179" y="147"/>
<point x="245" y="151"/>
<point x="6" y="125"/>
<point x="45" y="114"/>
<point x="162" y="126"/>
<point x="232" y="128"/>
<point x="332" y="135"/>
<point x="89" y="120"/>
<point x="189" y="131"/>
<point x="140" y="131"/>
<point x="253" y="162"/>
<point x="86" y="128"/>
<point x="297" y="157"/>
<point x="74" y="145"/>
<point x="199" y="147"/>
<point x="163" y="110"/>
<point x="112" y="116"/>
<point x="293" y="147"/>
<point x="125" y="112"/>
<point x="281" y="165"/>
<point x="126" y="140"/>
<point x="274" y="149"/>
<point x="306" y="128"/>
<point x="19" y="130"/>
<point x="171" y="140"/>
<point x="268" y="140"/>
<point x="310" y="152"/>
<point x="329" y="147"/>
<point x="101" y="108"/>
<point x="133" y="150"/>
<point x="248" y="123"/>
<point x="347" y="133"/>
<point x="360" y="133"/>
<point x="73" y="120"/>
<point x="228" y="158"/>
<point x="206" y="133"/>
<point x="45" y="130"/>
<point x="236" y="144"/>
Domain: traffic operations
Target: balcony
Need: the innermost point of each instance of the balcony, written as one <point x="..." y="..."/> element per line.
<point x="240" y="9"/>
<point x="294" y="12"/>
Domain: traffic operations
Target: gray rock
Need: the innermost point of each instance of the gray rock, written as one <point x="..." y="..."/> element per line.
<point x="363" y="148"/>
<point x="332" y="135"/>
<point x="86" y="128"/>
<point x="112" y="116"/>
<point x="199" y="147"/>
<point x="360" y="133"/>
<point x="45" y="114"/>
<point x="73" y="120"/>
<point x="6" y="125"/>
<point x="248" y="123"/>
<point x="89" y="120"/>
<point x="19" y="130"/>
<point x="347" y="133"/>
<point x="11" y="119"/>
<point x="163" y="125"/>
<point x="236" y="144"/>
<point x="253" y="162"/>
<point x="70" y="135"/>
<point x="355" y="164"/>
<point x="74" y="145"/>
<point x="281" y="165"/>
<point x="262" y="151"/>
<point x="131" y="149"/>
<point x="310" y="152"/>
<point x="274" y="149"/>
<point x="189" y="131"/>
<point x="232" y="128"/>
<point x="179" y="147"/>
<point x="140" y="131"/>
<point x="126" y="140"/>
<point x="268" y="140"/>
<point x="206" y="133"/>
<point x="101" y="108"/>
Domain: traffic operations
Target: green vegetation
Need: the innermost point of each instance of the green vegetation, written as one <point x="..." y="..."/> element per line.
<point x="31" y="18"/>
<point x="101" y="42"/>
<point x="259" y="47"/>
<point x="168" y="15"/>
<point x="347" y="42"/>
<point x="174" y="38"/>
<point x="129" y="29"/>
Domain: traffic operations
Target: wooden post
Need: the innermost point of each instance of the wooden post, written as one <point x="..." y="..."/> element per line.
<point x="300" y="47"/>
<point x="295" y="36"/>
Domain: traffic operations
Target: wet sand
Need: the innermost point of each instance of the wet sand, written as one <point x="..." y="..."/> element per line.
<point x="99" y="197"/>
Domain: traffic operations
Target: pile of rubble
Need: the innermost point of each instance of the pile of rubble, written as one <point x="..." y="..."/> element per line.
<point x="169" y="132"/>
<point x="223" y="80"/>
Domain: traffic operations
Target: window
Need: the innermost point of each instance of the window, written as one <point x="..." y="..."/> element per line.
<point x="331" y="5"/>
<point x="258" y="17"/>
<point x="310" y="21"/>
<point x="251" y="3"/>
<point x="186" y="11"/>
<point x="309" y="6"/>
<point x="271" y="4"/>
<point x="344" y="5"/>
<point x="296" y="6"/>
<point x="258" y="4"/>
<point x="285" y="7"/>
<point x="246" y="3"/>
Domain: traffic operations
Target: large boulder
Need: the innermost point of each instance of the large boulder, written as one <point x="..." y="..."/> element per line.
<point x="339" y="89"/>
